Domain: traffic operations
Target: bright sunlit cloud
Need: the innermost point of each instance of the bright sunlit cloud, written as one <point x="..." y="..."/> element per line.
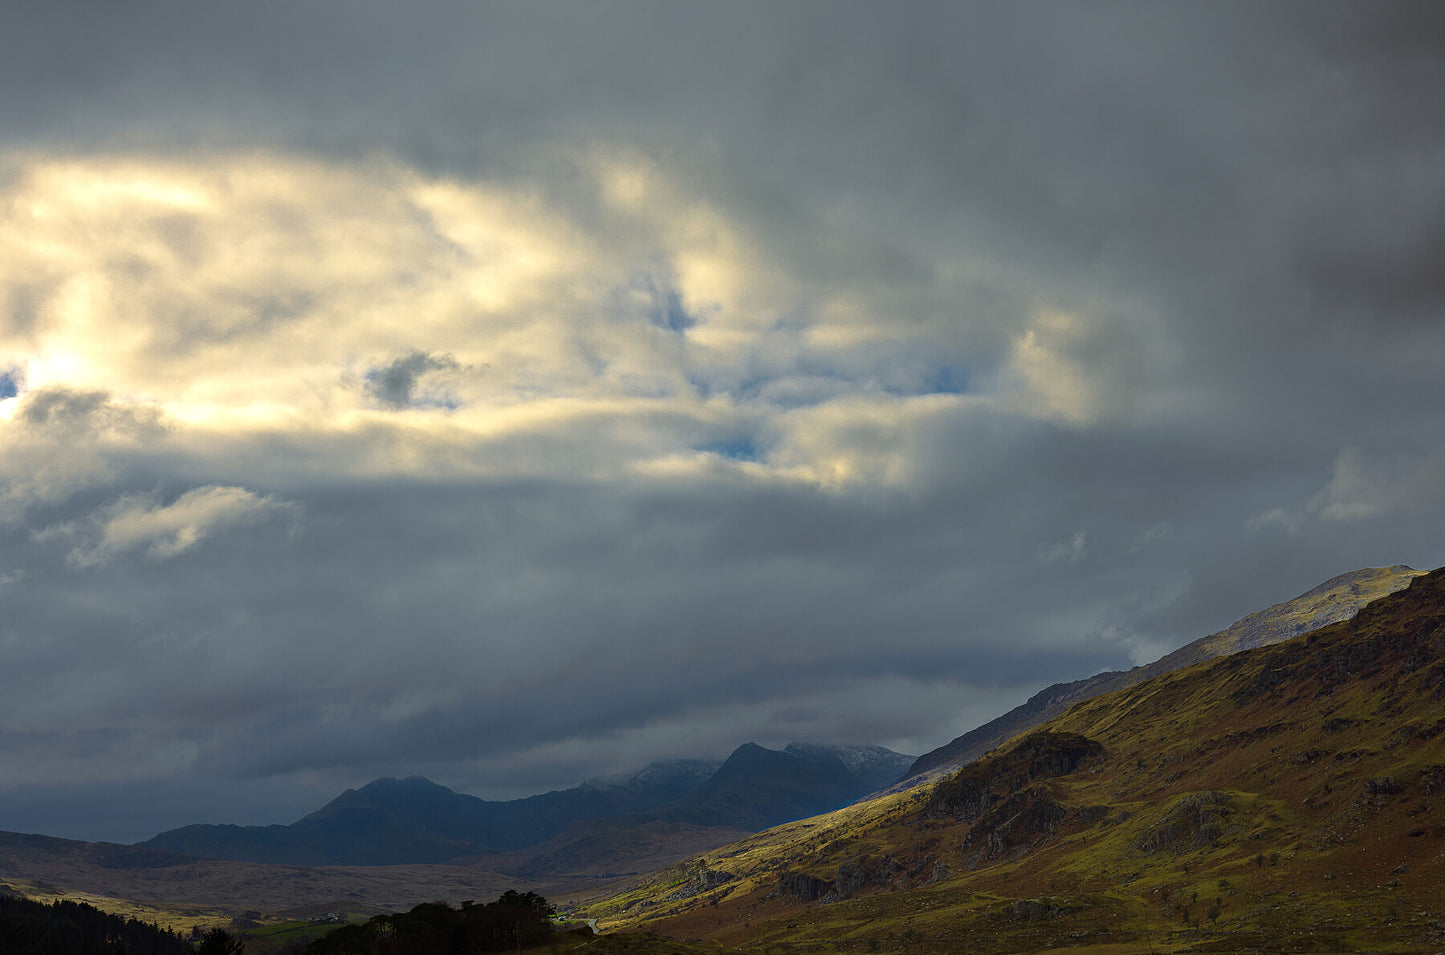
<point x="462" y="324"/>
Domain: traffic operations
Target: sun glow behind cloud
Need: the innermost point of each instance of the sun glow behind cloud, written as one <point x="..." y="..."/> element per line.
<point x="193" y="347"/>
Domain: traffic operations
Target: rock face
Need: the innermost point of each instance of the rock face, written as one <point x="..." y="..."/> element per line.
<point x="1039" y="756"/>
<point x="1191" y="822"/>
<point x="702" y="880"/>
<point x="1338" y="598"/>
<point x="806" y="887"/>
<point x="1007" y="799"/>
<point x="850" y="878"/>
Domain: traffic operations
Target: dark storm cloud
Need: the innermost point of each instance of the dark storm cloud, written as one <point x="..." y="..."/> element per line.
<point x="683" y="610"/>
<point x="1100" y="138"/>
<point x="1166" y="273"/>
<point x="1388" y="53"/>
<point x="1396" y="273"/>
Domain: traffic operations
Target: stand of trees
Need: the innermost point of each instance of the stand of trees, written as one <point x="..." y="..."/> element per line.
<point x="74" y="928"/>
<point x="516" y="920"/>
<point x="218" y="941"/>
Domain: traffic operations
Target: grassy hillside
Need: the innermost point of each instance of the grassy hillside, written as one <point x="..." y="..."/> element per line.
<point x="1281" y="799"/>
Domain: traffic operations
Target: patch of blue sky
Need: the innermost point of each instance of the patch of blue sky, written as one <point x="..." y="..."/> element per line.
<point x="673" y="316"/>
<point x="10" y="382"/>
<point x="913" y="375"/>
<point x="740" y="448"/>
<point x="663" y="307"/>
<point x="439" y="402"/>
<point x="803" y="388"/>
<point x="947" y="380"/>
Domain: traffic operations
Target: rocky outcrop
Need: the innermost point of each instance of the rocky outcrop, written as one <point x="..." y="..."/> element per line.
<point x="701" y="880"/>
<point x="1011" y="827"/>
<point x="1035" y="910"/>
<point x="848" y="880"/>
<point x="1191" y="822"/>
<point x="1038" y="756"/>
<point x="809" y="888"/>
<point x="1006" y="797"/>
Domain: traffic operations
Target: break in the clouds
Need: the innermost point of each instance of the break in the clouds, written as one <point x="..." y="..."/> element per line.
<point x="517" y="393"/>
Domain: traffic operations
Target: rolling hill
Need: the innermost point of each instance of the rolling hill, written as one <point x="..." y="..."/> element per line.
<point x="1282" y="798"/>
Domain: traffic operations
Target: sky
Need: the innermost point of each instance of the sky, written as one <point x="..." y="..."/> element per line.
<point x="516" y="393"/>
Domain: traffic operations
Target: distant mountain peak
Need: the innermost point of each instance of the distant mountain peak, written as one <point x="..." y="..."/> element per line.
<point x="658" y="772"/>
<point x="402" y="784"/>
<point x="862" y="760"/>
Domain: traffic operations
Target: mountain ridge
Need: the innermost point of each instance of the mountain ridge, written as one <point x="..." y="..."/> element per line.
<point x="1338" y="598"/>
<point x="392" y="821"/>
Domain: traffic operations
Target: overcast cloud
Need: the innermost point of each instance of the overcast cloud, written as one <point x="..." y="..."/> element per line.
<point x="518" y="393"/>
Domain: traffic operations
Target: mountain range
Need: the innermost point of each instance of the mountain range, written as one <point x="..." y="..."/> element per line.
<point x="1271" y="787"/>
<point x="414" y="820"/>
